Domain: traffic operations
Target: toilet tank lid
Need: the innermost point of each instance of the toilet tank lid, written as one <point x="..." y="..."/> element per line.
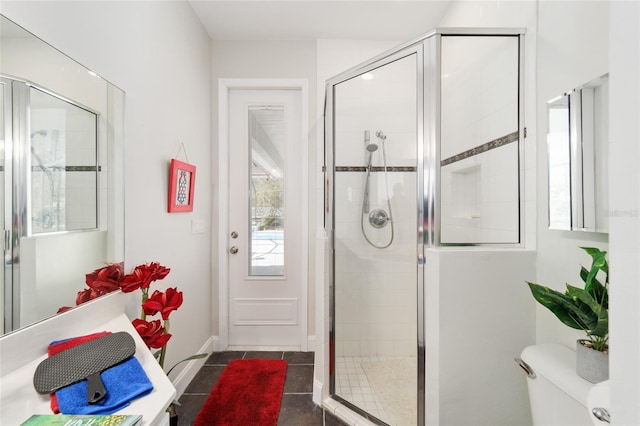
<point x="557" y="364"/>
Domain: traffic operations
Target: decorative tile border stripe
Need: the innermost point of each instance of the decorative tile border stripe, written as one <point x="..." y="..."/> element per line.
<point x="68" y="168"/>
<point x="375" y="169"/>
<point x="496" y="143"/>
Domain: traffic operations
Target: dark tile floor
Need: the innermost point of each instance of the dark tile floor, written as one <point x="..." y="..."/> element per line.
<point x="297" y="408"/>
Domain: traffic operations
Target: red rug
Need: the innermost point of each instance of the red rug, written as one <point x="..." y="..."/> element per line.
<point x="248" y="392"/>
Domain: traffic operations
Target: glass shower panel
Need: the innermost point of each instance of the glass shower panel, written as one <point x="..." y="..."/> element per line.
<point x="5" y="252"/>
<point x="64" y="171"/>
<point x="375" y="275"/>
<point x="479" y="148"/>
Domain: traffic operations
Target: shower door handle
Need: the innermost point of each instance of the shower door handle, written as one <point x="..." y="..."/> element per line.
<point x="7" y="240"/>
<point x="601" y="414"/>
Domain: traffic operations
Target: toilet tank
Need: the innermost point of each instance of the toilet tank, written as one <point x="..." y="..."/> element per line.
<point x="557" y="395"/>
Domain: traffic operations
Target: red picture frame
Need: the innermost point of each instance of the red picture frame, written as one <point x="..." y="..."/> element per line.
<point x="182" y="181"/>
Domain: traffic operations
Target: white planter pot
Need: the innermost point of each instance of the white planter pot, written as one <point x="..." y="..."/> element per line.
<point x="591" y="365"/>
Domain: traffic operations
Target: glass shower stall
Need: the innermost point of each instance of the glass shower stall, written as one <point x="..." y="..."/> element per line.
<point x="423" y="152"/>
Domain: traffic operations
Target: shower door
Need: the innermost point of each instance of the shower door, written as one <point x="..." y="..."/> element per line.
<point x="4" y="99"/>
<point x="375" y="217"/>
<point x="50" y="191"/>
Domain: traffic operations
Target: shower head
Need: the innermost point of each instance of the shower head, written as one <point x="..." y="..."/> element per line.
<point x="372" y="147"/>
<point x="41" y="132"/>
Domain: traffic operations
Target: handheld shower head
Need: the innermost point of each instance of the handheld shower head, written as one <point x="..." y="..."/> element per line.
<point x="41" y="132"/>
<point x="371" y="147"/>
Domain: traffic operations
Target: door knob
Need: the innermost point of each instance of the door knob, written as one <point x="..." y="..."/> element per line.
<point x="233" y="250"/>
<point x="234" y="235"/>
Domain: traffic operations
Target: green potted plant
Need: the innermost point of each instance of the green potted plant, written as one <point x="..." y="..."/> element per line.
<point x="585" y="309"/>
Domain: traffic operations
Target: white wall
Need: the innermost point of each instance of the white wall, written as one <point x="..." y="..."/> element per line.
<point x="570" y="53"/>
<point x="167" y="80"/>
<point x="624" y="203"/>
<point x="480" y="323"/>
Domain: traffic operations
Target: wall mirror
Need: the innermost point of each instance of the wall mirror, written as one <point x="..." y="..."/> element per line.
<point x="61" y="176"/>
<point x="577" y="144"/>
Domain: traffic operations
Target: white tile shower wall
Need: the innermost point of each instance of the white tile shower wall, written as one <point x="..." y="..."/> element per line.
<point x="35" y="62"/>
<point x="80" y="131"/>
<point x="70" y="141"/>
<point x="479" y="91"/>
<point x="81" y="205"/>
<point x="385" y="103"/>
<point x="375" y="309"/>
<point x="81" y="187"/>
<point x="479" y="195"/>
<point x="479" y="198"/>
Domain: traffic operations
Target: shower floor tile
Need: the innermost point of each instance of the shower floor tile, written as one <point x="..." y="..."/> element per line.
<point x="352" y="384"/>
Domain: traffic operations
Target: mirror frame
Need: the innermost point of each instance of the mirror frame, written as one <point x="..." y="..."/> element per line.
<point x="577" y="156"/>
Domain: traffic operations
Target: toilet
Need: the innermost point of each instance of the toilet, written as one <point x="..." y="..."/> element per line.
<point x="557" y="395"/>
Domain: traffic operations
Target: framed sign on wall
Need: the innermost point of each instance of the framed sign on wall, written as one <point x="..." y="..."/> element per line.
<point x="182" y="180"/>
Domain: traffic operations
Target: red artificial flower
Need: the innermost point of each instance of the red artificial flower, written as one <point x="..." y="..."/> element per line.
<point x="63" y="309"/>
<point x="87" y="294"/>
<point x="142" y="276"/>
<point x="152" y="333"/>
<point x="105" y="279"/>
<point x="130" y="283"/>
<point x="164" y="303"/>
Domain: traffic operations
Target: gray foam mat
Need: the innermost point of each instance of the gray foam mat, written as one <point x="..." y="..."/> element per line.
<point x="78" y="363"/>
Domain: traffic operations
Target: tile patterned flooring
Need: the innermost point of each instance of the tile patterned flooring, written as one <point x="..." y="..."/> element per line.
<point x="353" y="385"/>
<point x="297" y="408"/>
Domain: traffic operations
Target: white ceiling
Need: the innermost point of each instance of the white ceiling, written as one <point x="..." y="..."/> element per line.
<point x="309" y="20"/>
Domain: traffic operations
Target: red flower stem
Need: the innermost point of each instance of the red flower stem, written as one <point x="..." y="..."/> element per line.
<point x="145" y="296"/>
<point x="163" y="351"/>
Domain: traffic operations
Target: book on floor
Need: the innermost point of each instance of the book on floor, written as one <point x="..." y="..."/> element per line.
<point x="83" y="420"/>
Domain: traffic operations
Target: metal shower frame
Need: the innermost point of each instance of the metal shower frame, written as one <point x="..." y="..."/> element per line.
<point x="427" y="49"/>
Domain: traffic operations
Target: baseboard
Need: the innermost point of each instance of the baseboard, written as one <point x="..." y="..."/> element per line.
<point x="311" y="343"/>
<point x="317" y="392"/>
<point x="218" y="346"/>
<point x="248" y="348"/>
<point x="191" y="368"/>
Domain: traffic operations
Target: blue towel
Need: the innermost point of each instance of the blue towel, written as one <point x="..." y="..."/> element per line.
<point x="123" y="382"/>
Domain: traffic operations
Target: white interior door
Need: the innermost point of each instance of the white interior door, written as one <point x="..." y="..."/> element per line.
<point x="265" y="232"/>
